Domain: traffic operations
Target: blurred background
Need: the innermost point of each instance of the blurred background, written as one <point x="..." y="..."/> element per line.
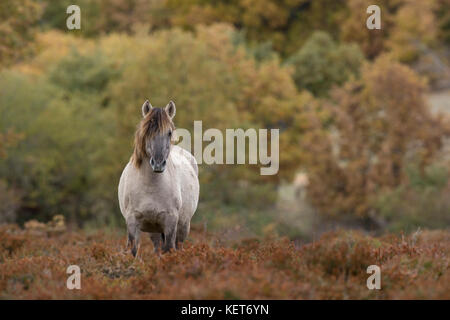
<point x="363" y="114"/>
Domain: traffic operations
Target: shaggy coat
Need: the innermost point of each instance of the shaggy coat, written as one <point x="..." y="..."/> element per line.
<point x="159" y="188"/>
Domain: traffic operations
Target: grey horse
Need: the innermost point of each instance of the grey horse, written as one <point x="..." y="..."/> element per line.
<point x="159" y="188"/>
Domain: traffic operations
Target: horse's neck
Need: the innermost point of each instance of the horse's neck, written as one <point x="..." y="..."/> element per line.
<point x="154" y="178"/>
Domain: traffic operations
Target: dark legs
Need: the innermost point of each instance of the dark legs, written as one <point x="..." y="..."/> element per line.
<point x="157" y="239"/>
<point x="133" y="236"/>
<point x="170" y="234"/>
<point x="172" y="237"/>
<point x="182" y="233"/>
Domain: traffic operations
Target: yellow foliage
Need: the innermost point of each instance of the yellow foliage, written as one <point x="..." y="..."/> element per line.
<point x="415" y="27"/>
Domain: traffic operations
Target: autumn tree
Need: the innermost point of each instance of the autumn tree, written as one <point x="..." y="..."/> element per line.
<point x="17" y="29"/>
<point x="286" y="24"/>
<point x="415" y="27"/>
<point x="406" y="27"/>
<point x="353" y="27"/>
<point x="379" y="125"/>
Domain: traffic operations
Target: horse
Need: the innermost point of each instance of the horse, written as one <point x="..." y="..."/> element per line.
<point x="159" y="188"/>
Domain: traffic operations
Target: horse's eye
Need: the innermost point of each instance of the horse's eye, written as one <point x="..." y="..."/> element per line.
<point x="170" y="133"/>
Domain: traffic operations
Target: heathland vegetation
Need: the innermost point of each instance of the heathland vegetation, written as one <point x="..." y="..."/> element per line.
<point x="34" y="266"/>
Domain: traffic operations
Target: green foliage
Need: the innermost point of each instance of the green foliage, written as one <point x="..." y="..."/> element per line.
<point x="321" y="63"/>
<point x="434" y="177"/>
<point x="422" y="202"/>
<point x="86" y="73"/>
<point x="54" y="15"/>
<point x="259" y="51"/>
<point x="54" y="164"/>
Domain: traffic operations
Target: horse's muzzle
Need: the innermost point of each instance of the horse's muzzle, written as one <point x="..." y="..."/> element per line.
<point x="158" y="166"/>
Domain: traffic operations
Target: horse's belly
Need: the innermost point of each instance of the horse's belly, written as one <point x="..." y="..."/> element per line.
<point x="151" y="226"/>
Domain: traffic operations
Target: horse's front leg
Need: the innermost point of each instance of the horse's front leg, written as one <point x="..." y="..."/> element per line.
<point x="182" y="233"/>
<point x="170" y="233"/>
<point x="134" y="234"/>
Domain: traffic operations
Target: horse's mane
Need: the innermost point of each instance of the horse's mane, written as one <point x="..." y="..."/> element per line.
<point x="157" y="121"/>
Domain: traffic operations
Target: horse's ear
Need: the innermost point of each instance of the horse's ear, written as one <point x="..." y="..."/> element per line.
<point x="146" y="107"/>
<point x="171" y="109"/>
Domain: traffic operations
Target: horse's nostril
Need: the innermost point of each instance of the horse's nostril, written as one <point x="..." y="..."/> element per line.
<point x="152" y="162"/>
<point x="164" y="163"/>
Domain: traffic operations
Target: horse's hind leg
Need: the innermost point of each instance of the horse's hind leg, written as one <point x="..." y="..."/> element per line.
<point x="156" y="239"/>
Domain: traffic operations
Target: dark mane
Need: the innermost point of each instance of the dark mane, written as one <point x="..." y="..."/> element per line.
<point x="157" y="121"/>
